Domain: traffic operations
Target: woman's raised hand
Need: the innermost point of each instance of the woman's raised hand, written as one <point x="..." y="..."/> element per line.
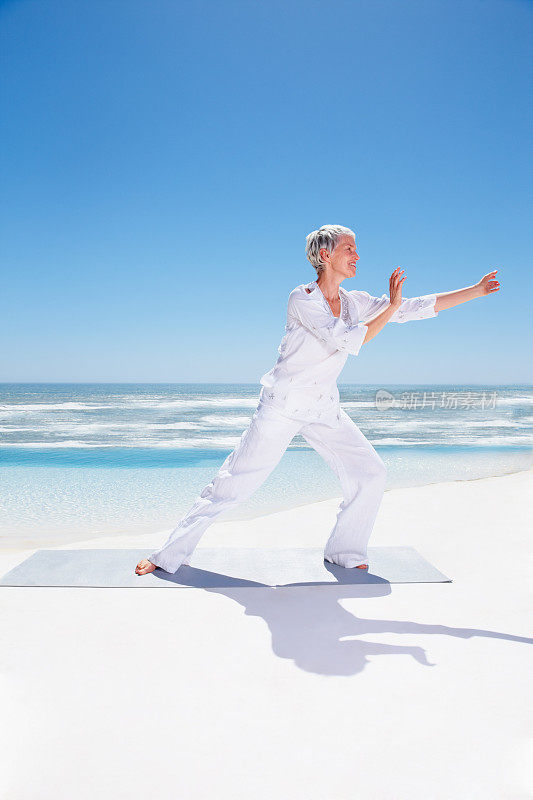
<point x="395" y="287"/>
<point x="488" y="284"/>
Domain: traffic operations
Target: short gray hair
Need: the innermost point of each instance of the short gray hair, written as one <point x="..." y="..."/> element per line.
<point x="325" y="237"/>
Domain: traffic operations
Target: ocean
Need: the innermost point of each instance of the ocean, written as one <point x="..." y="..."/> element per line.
<point x="79" y="461"/>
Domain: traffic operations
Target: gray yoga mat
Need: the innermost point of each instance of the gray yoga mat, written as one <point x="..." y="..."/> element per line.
<point x="220" y="566"/>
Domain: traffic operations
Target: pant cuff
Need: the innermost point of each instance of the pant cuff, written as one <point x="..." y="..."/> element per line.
<point x="345" y="560"/>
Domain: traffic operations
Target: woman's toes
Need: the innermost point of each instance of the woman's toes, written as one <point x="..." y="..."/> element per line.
<point x="144" y="566"/>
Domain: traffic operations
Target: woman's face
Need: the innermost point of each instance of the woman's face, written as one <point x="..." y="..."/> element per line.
<point x="344" y="257"/>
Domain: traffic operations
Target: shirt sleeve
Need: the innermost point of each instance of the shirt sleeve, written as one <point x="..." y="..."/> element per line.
<point x="330" y="330"/>
<point x="411" y="308"/>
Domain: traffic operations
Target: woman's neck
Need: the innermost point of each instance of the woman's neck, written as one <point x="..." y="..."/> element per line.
<point x="329" y="287"/>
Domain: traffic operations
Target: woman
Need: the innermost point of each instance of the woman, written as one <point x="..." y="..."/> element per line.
<point x="325" y="323"/>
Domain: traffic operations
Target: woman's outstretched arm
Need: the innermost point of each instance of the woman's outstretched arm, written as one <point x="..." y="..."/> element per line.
<point x="486" y="285"/>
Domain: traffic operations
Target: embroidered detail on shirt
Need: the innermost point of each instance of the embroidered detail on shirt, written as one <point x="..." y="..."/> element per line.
<point x="420" y="304"/>
<point x="345" y="311"/>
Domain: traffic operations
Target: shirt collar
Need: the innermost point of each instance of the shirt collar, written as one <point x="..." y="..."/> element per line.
<point x="316" y="292"/>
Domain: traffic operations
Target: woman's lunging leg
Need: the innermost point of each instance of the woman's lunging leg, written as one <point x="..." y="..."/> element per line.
<point x="259" y="450"/>
<point x="362" y="475"/>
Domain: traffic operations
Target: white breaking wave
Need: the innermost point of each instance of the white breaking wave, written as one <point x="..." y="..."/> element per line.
<point x="443" y="424"/>
<point x="215" y="419"/>
<point x="358" y="404"/>
<point x="459" y="441"/>
<point x="185" y="402"/>
<point x="120" y="428"/>
<point x="15" y="408"/>
<point x="205" y="443"/>
<point x="210" y="402"/>
<point x="128" y="426"/>
<point x="14" y="429"/>
<point x="64" y="443"/>
<point x="523" y="400"/>
<point x="497" y="423"/>
<point x="402" y="442"/>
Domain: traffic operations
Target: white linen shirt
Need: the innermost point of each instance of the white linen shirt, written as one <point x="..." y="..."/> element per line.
<point x="303" y="382"/>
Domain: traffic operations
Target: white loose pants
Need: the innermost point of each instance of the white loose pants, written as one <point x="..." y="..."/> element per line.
<point x="359" y="468"/>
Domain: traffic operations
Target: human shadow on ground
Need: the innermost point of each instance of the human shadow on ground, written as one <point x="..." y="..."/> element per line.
<point x="310" y="627"/>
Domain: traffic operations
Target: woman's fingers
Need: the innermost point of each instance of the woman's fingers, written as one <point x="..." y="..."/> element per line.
<point x="395" y="282"/>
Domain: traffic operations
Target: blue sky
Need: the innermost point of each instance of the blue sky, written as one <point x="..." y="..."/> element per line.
<point x="162" y="163"/>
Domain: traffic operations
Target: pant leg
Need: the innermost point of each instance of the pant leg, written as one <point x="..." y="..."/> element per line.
<point x="259" y="450"/>
<point x="362" y="475"/>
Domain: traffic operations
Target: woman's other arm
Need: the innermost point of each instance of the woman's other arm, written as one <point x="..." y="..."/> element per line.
<point x="487" y="285"/>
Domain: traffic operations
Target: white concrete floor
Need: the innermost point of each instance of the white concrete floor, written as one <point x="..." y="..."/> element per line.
<point x="327" y="693"/>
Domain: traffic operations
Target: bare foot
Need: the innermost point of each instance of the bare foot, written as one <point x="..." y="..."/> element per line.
<point x="144" y="566"/>
<point x="362" y="566"/>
